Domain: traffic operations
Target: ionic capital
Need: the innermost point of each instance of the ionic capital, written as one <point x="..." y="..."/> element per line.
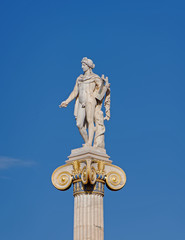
<point x="89" y="176"/>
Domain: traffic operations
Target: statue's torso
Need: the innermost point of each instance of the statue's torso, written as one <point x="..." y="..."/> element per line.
<point x="86" y="88"/>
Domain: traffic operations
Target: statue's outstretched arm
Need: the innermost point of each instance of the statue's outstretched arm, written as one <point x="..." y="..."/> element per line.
<point x="72" y="96"/>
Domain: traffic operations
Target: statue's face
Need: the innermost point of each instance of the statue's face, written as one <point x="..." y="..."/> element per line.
<point x="84" y="67"/>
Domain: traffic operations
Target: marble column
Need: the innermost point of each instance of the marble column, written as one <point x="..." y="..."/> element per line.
<point x="88" y="217"/>
<point x="88" y="169"/>
<point x="88" y="210"/>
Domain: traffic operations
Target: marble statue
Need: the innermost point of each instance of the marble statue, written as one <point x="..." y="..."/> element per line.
<point x="90" y="90"/>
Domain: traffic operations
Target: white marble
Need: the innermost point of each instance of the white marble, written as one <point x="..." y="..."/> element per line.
<point x="88" y="217"/>
<point x="90" y="90"/>
<point x="88" y="152"/>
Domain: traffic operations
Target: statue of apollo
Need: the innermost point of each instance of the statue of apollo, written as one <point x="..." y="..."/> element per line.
<point x="90" y="90"/>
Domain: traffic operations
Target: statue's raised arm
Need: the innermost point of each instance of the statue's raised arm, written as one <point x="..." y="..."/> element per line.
<point x="89" y="92"/>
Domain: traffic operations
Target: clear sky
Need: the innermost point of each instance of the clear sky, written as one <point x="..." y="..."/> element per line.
<point x="140" y="46"/>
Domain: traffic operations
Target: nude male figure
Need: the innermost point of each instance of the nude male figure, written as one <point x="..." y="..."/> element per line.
<point x="85" y="91"/>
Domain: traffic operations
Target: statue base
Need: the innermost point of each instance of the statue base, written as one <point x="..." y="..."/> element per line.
<point x="88" y="153"/>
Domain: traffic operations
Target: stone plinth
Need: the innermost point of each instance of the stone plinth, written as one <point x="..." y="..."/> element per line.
<point x="89" y="169"/>
<point x="85" y="153"/>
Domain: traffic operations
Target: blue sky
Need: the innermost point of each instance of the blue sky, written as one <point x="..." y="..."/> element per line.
<point x="140" y="46"/>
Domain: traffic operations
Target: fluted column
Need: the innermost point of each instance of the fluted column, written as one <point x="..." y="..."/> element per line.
<point x="88" y="170"/>
<point x="88" y="219"/>
<point x="88" y="209"/>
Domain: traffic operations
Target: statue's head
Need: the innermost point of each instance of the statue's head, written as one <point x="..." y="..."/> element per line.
<point x="87" y="64"/>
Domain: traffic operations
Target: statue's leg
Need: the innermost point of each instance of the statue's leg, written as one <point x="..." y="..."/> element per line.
<point x="90" y="109"/>
<point x="80" y="122"/>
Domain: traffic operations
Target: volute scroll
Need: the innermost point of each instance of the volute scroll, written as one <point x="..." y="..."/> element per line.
<point x="62" y="177"/>
<point x="115" y="177"/>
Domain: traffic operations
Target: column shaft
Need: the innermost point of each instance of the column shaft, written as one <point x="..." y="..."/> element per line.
<point x="88" y="217"/>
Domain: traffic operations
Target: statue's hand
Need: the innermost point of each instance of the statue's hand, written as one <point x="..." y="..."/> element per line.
<point x="107" y="118"/>
<point x="63" y="104"/>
